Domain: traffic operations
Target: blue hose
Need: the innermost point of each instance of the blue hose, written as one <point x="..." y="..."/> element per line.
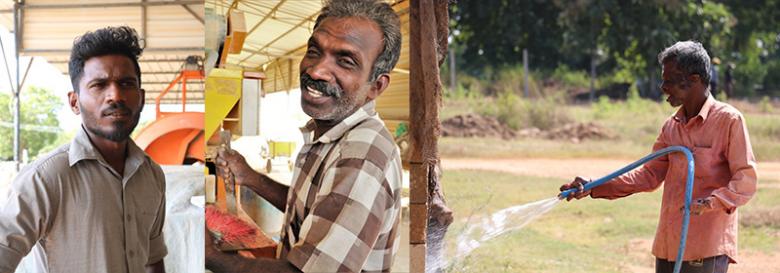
<point x="688" y="191"/>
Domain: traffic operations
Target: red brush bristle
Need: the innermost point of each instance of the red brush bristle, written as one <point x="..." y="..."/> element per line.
<point x="229" y="228"/>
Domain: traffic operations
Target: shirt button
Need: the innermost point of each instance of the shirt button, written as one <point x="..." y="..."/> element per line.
<point x="129" y="218"/>
<point x="131" y="253"/>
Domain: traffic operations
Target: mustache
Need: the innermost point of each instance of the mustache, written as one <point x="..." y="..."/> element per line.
<point x="120" y="108"/>
<point x="322" y="86"/>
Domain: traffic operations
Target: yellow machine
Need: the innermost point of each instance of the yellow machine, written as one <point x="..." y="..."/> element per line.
<point x="276" y="150"/>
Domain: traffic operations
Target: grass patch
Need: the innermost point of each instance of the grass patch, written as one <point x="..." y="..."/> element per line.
<point x="637" y="123"/>
<point x="582" y="236"/>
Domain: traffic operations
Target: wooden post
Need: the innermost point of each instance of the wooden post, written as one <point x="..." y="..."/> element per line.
<point x="428" y="28"/>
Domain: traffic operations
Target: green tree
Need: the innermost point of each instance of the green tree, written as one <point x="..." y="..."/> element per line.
<point x="38" y="121"/>
<point x="495" y="32"/>
<point x="623" y="37"/>
<point x="633" y="32"/>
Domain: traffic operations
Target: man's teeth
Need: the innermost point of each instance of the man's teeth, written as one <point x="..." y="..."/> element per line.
<point x="314" y="93"/>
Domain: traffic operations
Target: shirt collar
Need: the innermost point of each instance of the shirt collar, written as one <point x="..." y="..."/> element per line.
<point x="81" y="148"/>
<point x="703" y="113"/>
<point x="362" y="113"/>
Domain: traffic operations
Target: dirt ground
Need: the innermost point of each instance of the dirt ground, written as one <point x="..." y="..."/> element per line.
<point x="566" y="169"/>
<point x="475" y="125"/>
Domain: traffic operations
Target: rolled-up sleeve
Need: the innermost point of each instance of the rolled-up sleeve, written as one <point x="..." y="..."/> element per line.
<point x="742" y="165"/>
<point x="157" y="248"/>
<point x="343" y="226"/>
<point x="648" y="177"/>
<point x="25" y="217"/>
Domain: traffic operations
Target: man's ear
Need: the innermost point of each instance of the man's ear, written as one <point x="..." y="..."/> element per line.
<point x="73" y="100"/>
<point x="696" y="78"/>
<point x="378" y="86"/>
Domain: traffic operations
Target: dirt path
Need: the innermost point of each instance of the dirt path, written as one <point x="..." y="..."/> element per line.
<point x="565" y="169"/>
<point x="569" y="168"/>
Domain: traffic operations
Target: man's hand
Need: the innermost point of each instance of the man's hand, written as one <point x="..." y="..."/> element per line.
<point x="158" y="267"/>
<point x="579" y="184"/>
<point x="703" y="205"/>
<point x="229" y="161"/>
<point x="212" y="254"/>
<point x="440" y="212"/>
<point x="209" y="249"/>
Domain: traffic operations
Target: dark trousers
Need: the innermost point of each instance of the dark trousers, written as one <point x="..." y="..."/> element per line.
<point x="717" y="264"/>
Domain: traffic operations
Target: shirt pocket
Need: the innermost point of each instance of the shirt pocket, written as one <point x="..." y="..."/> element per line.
<point x="147" y="212"/>
<point x="704" y="160"/>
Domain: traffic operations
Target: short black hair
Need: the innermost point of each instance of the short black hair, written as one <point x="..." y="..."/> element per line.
<point x="122" y="40"/>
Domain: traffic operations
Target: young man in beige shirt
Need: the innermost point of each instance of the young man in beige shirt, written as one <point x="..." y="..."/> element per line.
<point x="98" y="203"/>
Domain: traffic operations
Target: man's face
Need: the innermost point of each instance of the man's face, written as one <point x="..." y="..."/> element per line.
<point x="336" y="68"/>
<point x="109" y="99"/>
<point x="676" y="84"/>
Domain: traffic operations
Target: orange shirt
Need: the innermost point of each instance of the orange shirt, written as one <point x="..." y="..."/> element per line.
<point x="725" y="169"/>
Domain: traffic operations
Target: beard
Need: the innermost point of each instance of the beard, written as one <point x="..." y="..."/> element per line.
<point x="343" y="104"/>
<point x="119" y="130"/>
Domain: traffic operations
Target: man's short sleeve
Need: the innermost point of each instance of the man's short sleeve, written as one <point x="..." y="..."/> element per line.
<point x="25" y="216"/>
<point x="157" y="248"/>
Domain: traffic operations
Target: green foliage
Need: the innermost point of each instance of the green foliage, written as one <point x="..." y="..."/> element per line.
<point x="569" y="77"/>
<point x="518" y="113"/>
<point x="623" y="37"/>
<point x="636" y="122"/>
<point x="765" y="105"/>
<point x="603" y="107"/>
<point x="721" y="96"/>
<point x="504" y="108"/>
<point x="38" y="119"/>
<point x="750" y="71"/>
<point x="495" y="32"/>
<point x="772" y="83"/>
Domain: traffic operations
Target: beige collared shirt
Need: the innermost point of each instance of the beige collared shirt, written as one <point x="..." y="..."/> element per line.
<point x="344" y="204"/>
<point x="76" y="214"/>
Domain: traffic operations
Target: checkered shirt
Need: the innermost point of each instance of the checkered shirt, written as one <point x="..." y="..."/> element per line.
<point x="344" y="204"/>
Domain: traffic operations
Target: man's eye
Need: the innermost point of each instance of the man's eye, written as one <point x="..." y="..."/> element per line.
<point x="312" y="52"/>
<point x="346" y="62"/>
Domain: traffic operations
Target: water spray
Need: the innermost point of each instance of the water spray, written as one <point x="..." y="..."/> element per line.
<point x="688" y="191"/>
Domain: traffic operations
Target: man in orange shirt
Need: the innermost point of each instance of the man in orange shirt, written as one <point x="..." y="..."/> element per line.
<point x="725" y="174"/>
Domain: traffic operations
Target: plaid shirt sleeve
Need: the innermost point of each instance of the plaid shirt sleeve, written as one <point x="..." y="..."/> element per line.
<point x="351" y="210"/>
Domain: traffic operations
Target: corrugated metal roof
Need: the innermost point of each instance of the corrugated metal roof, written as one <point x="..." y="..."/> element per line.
<point x="172" y="30"/>
<point x="276" y="28"/>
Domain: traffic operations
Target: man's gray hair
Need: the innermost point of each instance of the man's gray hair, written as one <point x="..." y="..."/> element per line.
<point x="690" y="57"/>
<point x="379" y="12"/>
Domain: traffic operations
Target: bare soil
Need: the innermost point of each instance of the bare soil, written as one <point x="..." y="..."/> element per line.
<point x="475" y="125"/>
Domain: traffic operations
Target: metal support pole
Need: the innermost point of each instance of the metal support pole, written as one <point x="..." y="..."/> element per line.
<point x="17" y="92"/>
<point x="143" y="23"/>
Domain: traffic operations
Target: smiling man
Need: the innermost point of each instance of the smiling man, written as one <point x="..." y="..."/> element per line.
<point x="342" y="209"/>
<point x="96" y="204"/>
<point x="725" y="174"/>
